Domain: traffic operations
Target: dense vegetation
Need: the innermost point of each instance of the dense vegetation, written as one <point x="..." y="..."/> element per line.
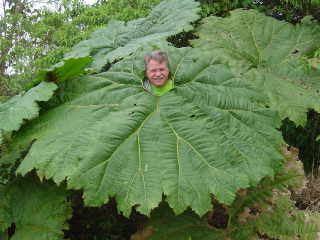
<point x="32" y="39"/>
<point x="205" y="161"/>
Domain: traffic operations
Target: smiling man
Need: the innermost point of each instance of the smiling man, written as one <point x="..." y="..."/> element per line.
<point x="157" y="72"/>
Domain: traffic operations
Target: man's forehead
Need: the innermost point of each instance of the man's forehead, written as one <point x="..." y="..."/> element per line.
<point x="154" y="63"/>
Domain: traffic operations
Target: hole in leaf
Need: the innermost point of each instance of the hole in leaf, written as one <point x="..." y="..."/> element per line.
<point x="11" y="230"/>
<point x="192" y="116"/>
<point x="219" y="217"/>
<point x="52" y="77"/>
<point x="255" y="211"/>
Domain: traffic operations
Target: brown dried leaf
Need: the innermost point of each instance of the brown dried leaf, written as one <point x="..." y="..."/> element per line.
<point x="144" y="234"/>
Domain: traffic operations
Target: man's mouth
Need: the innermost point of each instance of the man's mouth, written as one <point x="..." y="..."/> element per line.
<point x="158" y="79"/>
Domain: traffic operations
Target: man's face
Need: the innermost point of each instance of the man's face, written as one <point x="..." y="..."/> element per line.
<point x="157" y="73"/>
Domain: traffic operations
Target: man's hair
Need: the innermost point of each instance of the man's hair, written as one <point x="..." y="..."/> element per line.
<point x="158" y="56"/>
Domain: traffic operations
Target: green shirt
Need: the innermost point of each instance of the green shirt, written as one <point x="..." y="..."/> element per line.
<point x="159" y="91"/>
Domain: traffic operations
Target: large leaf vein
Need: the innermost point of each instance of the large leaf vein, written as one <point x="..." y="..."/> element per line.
<point x="271" y="37"/>
<point x="179" y="65"/>
<point x="254" y="38"/>
<point x="139" y="157"/>
<point x="109" y="158"/>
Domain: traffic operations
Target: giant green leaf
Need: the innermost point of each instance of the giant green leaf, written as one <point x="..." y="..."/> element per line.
<point x="24" y="106"/>
<point x="120" y="39"/>
<point x="111" y="138"/>
<point x="250" y="40"/>
<point x="38" y="210"/>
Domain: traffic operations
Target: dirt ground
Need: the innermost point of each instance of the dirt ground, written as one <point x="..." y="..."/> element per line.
<point x="309" y="197"/>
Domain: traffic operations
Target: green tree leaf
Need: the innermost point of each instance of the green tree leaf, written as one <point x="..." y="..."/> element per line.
<point x="24" y="106"/>
<point x="62" y="71"/>
<point x="250" y="40"/>
<point x="39" y="210"/>
<point x="210" y="135"/>
<point x="120" y="39"/>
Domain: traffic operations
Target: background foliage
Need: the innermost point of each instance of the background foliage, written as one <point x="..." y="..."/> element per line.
<point x="32" y="39"/>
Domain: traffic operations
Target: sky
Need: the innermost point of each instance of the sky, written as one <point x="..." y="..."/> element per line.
<point x="44" y="4"/>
